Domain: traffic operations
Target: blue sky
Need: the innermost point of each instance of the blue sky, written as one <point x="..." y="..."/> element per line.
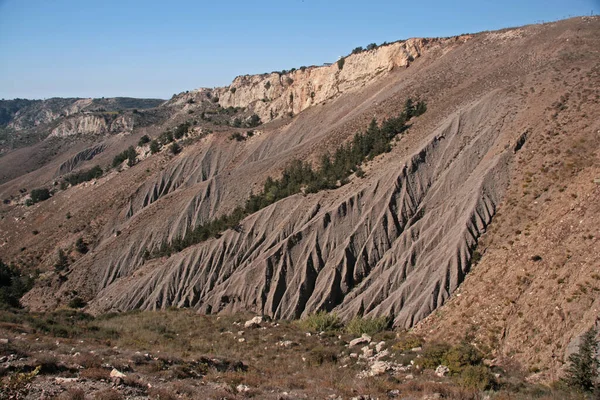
<point x="68" y="48"/>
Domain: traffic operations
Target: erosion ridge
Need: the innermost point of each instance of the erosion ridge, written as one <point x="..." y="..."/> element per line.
<point x="397" y="242"/>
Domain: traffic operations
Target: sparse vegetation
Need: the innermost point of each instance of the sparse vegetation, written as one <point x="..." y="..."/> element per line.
<point x="39" y="194"/>
<point x="143" y="140"/>
<point x="130" y="155"/>
<point x="321" y="321"/>
<point x="582" y="373"/>
<point x="341" y="62"/>
<point x="84" y="176"/>
<point x="300" y="176"/>
<point x="13" y="285"/>
<point x="370" y="326"/>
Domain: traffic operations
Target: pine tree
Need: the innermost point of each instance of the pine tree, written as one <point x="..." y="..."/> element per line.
<point x="582" y="373"/>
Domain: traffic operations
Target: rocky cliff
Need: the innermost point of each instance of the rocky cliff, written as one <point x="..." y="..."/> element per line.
<point x="282" y="94"/>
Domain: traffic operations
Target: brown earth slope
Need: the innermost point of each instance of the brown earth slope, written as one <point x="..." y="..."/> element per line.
<point x="508" y="149"/>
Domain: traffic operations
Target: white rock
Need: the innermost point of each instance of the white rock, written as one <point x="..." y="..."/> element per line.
<point x="360" y="340"/>
<point x="409" y="376"/>
<point x="116" y="374"/>
<point x="254" y="322"/>
<point x="442" y="370"/>
<point x="379" y="368"/>
<point x="241" y="340"/>
<point x="242" y="388"/>
<point x="380" y="346"/>
<point x="416" y="349"/>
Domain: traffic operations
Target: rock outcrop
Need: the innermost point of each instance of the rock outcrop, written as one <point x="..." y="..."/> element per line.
<point x="281" y="94"/>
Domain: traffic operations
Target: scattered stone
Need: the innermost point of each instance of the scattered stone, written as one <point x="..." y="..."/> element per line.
<point x="379" y="368"/>
<point x="285" y="343"/>
<point x="115" y="373"/>
<point x="61" y="380"/>
<point x="409" y="376"/>
<point x="442" y="370"/>
<point x="360" y="340"/>
<point x="3" y="341"/>
<point x="379" y="346"/>
<point x="416" y="349"/>
<point x="367" y="352"/>
<point x="241" y="340"/>
<point x="254" y="322"/>
<point x="393" y="393"/>
<point x="242" y="388"/>
<point x="241" y="333"/>
<point x="353" y="355"/>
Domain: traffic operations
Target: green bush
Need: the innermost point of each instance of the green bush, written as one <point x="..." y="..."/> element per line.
<point x="462" y="356"/>
<point x="40" y="194"/>
<point x="81" y="246"/>
<point x="406" y="342"/>
<point x="62" y="261"/>
<point x="370" y="326"/>
<point x="321" y="321"/>
<point x="476" y="377"/>
<point x="77" y="302"/>
<point x="175" y="148"/>
<point x="13" y="285"/>
<point x="340" y="63"/>
<point x="130" y="155"/>
<point x="143" y="140"/>
<point x="433" y="355"/>
<point x="154" y="147"/>
<point x="84" y="176"/>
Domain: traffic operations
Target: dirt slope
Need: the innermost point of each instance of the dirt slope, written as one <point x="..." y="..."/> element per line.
<point x="508" y="149"/>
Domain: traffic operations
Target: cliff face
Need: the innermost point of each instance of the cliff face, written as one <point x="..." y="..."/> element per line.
<point x="275" y="95"/>
<point x="93" y="124"/>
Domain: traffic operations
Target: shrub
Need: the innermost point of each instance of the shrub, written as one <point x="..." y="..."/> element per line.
<point x="13" y="285"/>
<point x="84" y="176"/>
<point x="372" y="46"/>
<point x="40" y="194"/>
<point x="360" y="173"/>
<point x="370" y="326"/>
<point x="62" y="261"/>
<point x="357" y="50"/>
<point x="143" y="140"/>
<point x="582" y="373"/>
<point x="175" y="148"/>
<point x="433" y="355"/>
<point x="407" y="342"/>
<point x="476" y="377"/>
<point x="77" y="302"/>
<point x="154" y="147"/>
<point x="131" y="156"/>
<point x="321" y="321"/>
<point x="340" y="63"/>
<point x="321" y="355"/>
<point x="81" y="246"/>
<point x="232" y="90"/>
<point x="461" y="356"/>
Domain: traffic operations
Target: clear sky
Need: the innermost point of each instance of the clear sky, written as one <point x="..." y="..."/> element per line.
<point x="95" y="48"/>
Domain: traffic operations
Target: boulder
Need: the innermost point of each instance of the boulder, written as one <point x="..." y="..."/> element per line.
<point x="360" y="340"/>
<point x="254" y="322"/>
<point x="442" y="370"/>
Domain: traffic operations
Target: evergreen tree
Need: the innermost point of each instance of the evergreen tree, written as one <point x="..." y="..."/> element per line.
<point x="582" y="374"/>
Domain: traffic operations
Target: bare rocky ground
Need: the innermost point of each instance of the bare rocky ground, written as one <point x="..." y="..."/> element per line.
<point x="481" y="223"/>
<point x="183" y="355"/>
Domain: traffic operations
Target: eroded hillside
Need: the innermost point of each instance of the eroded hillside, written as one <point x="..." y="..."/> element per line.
<point x="504" y="165"/>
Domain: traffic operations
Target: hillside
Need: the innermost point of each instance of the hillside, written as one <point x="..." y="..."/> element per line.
<point x="480" y="223"/>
